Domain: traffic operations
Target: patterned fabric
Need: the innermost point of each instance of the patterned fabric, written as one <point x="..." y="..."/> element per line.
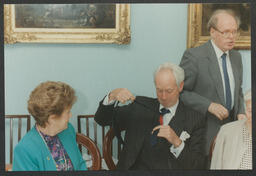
<point x="59" y="154"/>
<point x="246" y="162"/>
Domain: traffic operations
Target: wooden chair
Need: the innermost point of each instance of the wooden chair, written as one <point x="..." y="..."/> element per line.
<point x="108" y="149"/>
<point x="90" y="119"/>
<point x="92" y="149"/>
<point x="12" y="119"/>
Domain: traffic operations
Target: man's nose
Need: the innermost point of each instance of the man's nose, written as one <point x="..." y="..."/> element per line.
<point x="231" y="35"/>
<point x="163" y="95"/>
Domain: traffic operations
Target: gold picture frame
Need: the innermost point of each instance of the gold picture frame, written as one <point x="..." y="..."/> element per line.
<point x="120" y="34"/>
<point x="197" y="22"/>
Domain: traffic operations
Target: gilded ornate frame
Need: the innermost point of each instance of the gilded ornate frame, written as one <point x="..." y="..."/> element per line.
<point x="119" y="35"/>
<point x="194" y="34"/>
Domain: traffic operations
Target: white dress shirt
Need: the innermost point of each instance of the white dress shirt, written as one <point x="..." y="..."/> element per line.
<point x="168" y="116"/>
<point x="219" y="53"/>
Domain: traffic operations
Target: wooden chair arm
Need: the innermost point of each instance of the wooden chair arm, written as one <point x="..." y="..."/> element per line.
<point x="92" y="148"/>
<point x="107" y="149"/>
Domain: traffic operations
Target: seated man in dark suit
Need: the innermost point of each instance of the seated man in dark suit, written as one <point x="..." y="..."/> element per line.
<point x="160" y="133"/>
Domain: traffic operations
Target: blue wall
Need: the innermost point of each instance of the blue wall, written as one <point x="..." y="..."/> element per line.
<point x="158" y="34"/>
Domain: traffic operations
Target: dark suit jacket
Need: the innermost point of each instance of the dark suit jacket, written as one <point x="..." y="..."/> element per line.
<point x="203" y="84"/>
<point x="137" y="117"/>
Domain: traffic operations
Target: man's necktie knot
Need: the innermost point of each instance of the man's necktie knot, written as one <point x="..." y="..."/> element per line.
<point x="224" y="56"/>
<point x="164" y="111"/>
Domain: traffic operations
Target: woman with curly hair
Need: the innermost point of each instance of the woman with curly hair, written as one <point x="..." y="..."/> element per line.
<point x="51" y="143"/>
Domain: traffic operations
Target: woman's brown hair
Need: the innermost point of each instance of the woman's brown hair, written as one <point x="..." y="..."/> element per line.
<point x="50" y="98"/>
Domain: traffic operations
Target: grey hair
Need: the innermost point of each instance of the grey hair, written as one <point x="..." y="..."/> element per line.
<point x="247" y="95"/>
<point x="212" y="23"/>
<point x="177" y="71"/>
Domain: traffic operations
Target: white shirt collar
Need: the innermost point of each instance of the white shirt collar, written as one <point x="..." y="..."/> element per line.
<point x="218" y="51"/>
<point x="172" y="109"/>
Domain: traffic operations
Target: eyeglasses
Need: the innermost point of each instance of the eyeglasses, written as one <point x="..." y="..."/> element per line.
<point x="227" y="34"/>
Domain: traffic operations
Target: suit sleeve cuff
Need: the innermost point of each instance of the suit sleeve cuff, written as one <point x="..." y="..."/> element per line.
<point x="176" y="151"/>
<point x="105" y="101"/>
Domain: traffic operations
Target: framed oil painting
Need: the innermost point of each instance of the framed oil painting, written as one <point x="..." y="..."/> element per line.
<point x="67" y="23"/>
<point x="199" y="14"/>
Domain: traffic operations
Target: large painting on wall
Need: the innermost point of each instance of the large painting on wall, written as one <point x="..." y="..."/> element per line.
<point x="199" y="14"/>
<point x="65" y="16"/>
<point x="67" y="23"/>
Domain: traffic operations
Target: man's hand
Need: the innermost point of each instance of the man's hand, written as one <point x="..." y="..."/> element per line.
<point x="218" y="110"/>
<point x="167" y="132"/>
<point x="121" y="94"/>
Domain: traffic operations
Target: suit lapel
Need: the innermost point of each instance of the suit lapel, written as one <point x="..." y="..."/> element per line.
<point x="215" y="72"/>
<point x="178" y="121"/>
<point x="155" y="114"/>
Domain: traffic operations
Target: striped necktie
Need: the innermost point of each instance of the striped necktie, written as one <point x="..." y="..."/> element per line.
<point x="226" y="80"/>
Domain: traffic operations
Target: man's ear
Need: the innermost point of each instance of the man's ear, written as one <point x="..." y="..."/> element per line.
<point x="181" y="86"/>
<point x="212" y="31"/>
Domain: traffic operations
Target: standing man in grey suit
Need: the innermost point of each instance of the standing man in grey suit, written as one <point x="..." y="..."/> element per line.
<point x="213" y="75"/>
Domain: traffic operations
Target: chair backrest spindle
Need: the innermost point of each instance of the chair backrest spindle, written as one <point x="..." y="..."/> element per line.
<point x="87" y="127"/>
<point x="11" y="139"/>
<point x="11" y="127"/>
<point x="19" y="129"/>
<point x="95" y="132"/>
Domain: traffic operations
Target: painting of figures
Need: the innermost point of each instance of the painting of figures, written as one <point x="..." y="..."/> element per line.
<point x="65" y="15"/>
